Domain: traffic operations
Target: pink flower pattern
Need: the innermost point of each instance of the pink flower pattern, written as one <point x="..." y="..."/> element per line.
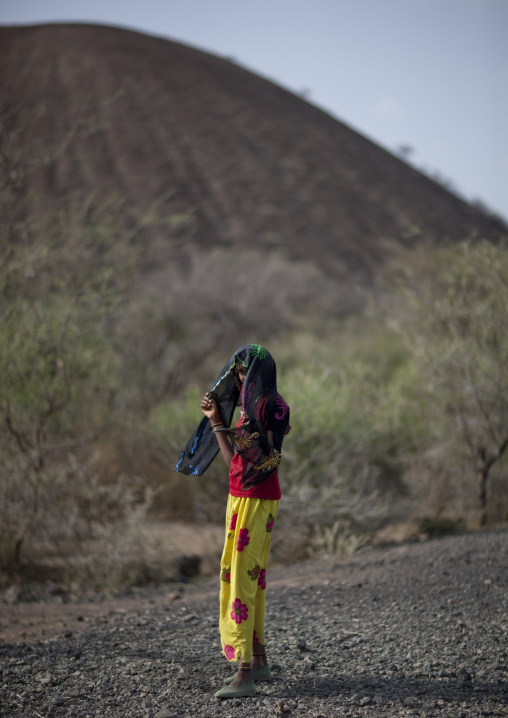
<point x="240" y="611"/>
<point x="281" y="404"/>
<point x="262" y="578"/>
<point x="247" y="395"/>
<point x="255" y="639"/>
<point x="229" y="652"/>
<point x="232" y="523"/>
<point x="269" y="523"/>
<point x="243" y="539"/>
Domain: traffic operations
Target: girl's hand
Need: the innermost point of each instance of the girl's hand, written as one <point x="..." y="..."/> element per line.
<point x="210" y="409"/>
<point x="244" y="417"/>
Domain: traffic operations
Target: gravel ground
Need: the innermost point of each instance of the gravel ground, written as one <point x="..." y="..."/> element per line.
<point x="414" y="630"/>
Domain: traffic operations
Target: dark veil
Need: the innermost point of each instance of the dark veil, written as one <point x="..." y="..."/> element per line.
<point x="267" y="411"/>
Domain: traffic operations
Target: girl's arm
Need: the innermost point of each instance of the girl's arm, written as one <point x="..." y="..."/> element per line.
<point x="211" y="411"/>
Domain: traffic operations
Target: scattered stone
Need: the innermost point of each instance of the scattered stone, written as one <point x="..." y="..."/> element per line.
<point x="188" y="566"/>
<point x="280" y="708"/>
<point x="463" y="674"/>
<point x="53" y="589"/>
<point x="43" y="677"/>
<point x="162" y="662"/>
<point x="12" y="594"/>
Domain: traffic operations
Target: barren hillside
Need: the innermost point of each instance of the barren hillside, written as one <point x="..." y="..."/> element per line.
<point x="109" y="111"/>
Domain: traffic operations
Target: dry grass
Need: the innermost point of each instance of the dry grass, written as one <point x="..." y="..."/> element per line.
<point x="166" y="541"/>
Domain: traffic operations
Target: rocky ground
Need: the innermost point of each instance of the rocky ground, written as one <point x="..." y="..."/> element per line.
<point x="419" y="629"/>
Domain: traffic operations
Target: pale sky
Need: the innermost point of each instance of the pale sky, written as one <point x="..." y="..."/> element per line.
<point x="430" y="74"/>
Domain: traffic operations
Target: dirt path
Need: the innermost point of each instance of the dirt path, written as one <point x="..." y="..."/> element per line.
<point x="38" y="620"/>
<point x="414" y="630"/>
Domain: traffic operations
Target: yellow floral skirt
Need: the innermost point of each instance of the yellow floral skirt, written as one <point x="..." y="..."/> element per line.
<point x="243" y="566"/>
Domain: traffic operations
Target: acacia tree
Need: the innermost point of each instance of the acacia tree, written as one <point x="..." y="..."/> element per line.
<point x="453" y="311"/>
<point x="56" y="366"/>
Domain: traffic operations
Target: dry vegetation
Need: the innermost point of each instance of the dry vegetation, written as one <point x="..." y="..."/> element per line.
<point x="103" y="373"/>
<point x="398" y="412"/>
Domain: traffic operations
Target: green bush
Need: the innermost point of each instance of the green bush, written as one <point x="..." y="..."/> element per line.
<point x="352" y="420"/>
<point x="450" y="306"/>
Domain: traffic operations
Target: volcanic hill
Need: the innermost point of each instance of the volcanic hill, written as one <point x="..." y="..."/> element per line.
<point x="151" y="120"/>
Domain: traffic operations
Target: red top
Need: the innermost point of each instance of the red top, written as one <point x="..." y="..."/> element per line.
<point x="267" y="489"/>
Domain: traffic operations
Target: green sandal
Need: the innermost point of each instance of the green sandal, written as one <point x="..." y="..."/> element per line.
<point x="257" y="674"/>
<point x="248" y="689"/>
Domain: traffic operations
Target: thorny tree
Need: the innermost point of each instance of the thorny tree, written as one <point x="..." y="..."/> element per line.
<point x="56" y="294"/>
<point x="454" y="314"/>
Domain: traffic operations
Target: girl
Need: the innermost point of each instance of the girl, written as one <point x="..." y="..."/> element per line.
<point x="252" y="451"/>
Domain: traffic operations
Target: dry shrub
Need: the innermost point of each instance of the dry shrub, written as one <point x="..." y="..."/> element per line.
<point x="181" y="323"/>
<point x="450" y="305"/>
<point x="87" y="530"/>
<point x="336" y="542"/>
